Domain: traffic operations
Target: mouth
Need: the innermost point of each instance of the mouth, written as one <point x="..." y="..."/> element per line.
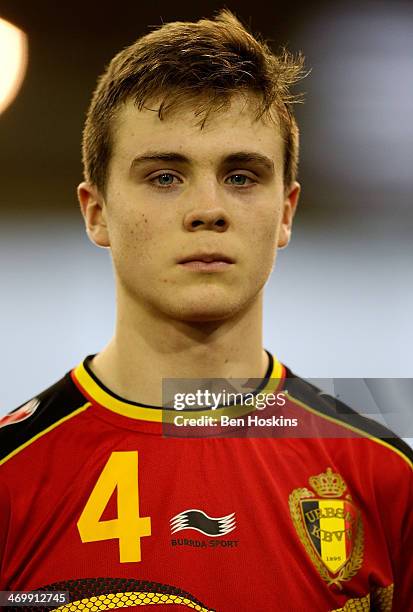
<point x="207" y="262"/>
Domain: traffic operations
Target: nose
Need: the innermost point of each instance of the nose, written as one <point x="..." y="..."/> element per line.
<point x="215" y="219"/>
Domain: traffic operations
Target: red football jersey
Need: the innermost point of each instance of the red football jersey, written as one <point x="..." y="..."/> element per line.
<point x="96" y="500"/>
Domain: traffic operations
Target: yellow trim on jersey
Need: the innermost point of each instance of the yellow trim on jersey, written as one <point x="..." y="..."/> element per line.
<point x="109" y="601"/>
<point x="137" y="411"/>
<point x="352" y="428"/>
<point x="44" y="431"/>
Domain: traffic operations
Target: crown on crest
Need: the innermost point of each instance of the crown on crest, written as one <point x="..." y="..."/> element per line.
<point x="328" y="484"/>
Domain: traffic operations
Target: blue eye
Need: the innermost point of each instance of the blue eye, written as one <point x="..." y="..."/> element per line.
<point x="239" y="176"/>
<point x="161" y="177"/>
<point x="238" y="182"/>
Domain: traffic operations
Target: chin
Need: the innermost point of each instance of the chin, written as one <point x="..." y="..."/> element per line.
<point x="204" y="316"/>
<point x="205" y="309"/>
<point x="203" y="313"/>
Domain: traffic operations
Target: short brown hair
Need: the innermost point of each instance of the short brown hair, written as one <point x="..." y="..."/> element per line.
<point x="206" y="62"/>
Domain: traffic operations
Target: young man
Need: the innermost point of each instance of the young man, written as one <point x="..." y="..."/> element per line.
<point x="190" y="155"/>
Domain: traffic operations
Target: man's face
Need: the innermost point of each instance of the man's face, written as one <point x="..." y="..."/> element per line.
<point x="193" y="217"/>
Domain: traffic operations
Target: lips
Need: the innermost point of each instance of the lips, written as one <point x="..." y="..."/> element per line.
<point x="207" y="258"/>
<point x="207" y="263"/>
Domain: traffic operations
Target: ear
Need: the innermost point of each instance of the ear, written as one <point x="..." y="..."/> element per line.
<point x="290" y="205"/>
<point x="93" y="209"/>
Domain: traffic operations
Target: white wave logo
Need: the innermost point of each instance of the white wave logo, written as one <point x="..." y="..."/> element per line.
<point x="200" y="521"/>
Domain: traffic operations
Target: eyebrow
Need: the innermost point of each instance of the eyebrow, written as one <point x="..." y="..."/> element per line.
<point x="238" y="157"/>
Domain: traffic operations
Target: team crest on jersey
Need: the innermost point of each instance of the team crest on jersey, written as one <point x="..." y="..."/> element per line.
<point x="21" y="414"/>
<point x="329" y="526"/>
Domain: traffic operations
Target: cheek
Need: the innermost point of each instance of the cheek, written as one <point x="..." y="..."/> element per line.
<point x="270" y="231"/>
<point x="264" y="238"/>
<point x="267" y="228"/>
<point x="139" y="229"/>
<point x="132" y="240"/>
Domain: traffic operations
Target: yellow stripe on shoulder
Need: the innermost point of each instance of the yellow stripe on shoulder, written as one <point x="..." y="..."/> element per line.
<point x="44" y="432"/>
<point x="357" y="430"/>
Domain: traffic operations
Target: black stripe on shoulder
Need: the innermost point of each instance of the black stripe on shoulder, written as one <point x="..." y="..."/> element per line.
<point x="330" y="406"/>
<point x="39" y="413"/>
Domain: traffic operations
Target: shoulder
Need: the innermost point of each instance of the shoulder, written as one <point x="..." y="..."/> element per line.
<point x="41" y="413"/>
<point x="334" y="410"/>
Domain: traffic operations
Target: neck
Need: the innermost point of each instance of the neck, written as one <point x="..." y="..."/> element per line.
<point x="147" y="347"/>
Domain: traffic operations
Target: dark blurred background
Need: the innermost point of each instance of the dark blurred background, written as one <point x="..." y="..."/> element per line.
<point x="340" y="302"/>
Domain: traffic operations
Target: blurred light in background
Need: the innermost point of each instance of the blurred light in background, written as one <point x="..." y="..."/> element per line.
<point x="13" y="62"/>
<point x="362" y="79"/>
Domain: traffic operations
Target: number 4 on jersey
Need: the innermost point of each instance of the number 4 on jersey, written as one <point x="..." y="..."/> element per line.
<point x="121" y="473"/>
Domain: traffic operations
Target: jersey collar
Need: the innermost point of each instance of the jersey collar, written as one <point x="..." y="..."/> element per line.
<point x="96" y="392"/>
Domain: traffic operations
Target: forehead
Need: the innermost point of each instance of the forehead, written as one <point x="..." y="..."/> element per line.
<point x="135" y="131"/>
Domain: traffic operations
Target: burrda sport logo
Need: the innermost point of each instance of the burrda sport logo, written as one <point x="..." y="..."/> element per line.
<point x="200" y="521"/>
